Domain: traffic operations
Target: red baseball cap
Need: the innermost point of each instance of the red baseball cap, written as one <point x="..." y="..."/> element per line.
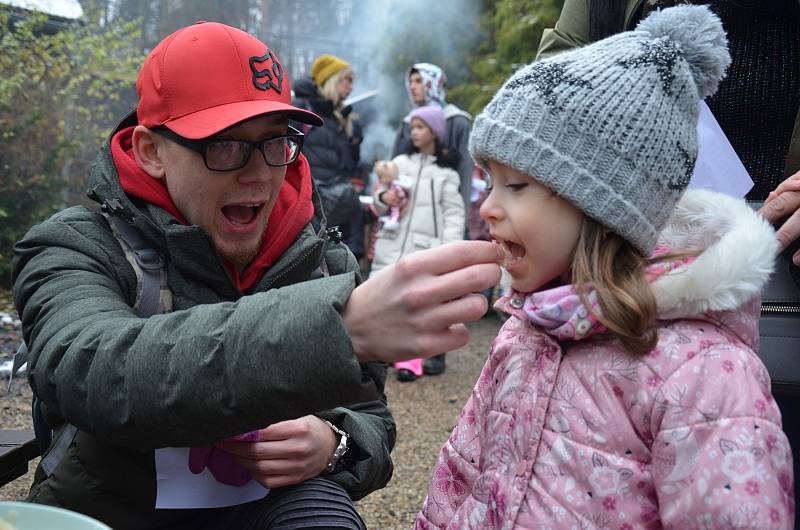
<point x="207" y="77"/>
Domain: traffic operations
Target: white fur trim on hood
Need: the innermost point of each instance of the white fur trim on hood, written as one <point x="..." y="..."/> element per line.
<point x="738" y="255"/>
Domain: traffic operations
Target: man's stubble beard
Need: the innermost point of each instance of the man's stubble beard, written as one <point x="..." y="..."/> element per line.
<point x="242" y="258"/>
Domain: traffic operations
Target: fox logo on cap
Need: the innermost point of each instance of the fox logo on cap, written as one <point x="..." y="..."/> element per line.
<point x="275" y="70"/>
<point x="176" y="91"/>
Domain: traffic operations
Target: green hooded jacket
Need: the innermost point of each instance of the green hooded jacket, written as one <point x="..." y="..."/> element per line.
<point x="572" y="30"/>
<point x="220" y="364"/>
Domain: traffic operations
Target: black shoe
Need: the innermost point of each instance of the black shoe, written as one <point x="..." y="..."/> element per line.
<point x="434" y="365"/>
<point x="406" y="376"/>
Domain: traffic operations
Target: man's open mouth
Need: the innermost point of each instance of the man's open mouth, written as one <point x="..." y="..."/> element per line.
<point x="242" y="214"/>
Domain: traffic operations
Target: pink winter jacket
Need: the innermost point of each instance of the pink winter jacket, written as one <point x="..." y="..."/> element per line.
<point x="580" y="434"/>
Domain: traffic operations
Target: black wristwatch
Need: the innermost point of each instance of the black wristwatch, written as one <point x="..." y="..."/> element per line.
<point x="339" y="452"/>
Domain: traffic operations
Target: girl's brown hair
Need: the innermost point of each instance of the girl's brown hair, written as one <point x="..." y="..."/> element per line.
<point x="616" y="270"/>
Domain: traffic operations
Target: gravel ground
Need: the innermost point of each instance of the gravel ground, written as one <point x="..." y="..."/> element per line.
<point x="425" y="411"/>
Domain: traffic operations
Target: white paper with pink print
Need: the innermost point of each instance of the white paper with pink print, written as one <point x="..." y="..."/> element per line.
<point x="178" y="487"/>
<point x="718" y="167"/>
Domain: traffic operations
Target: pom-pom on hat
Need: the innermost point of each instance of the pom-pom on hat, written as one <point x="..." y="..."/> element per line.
<point x="433" y="116"/>
<point x="612" y="126"/>
<point x="325" y="66"/>
<point x="208" y="77"/>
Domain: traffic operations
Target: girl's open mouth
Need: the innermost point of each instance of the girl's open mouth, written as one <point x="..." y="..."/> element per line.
<point x="514" y="252"/>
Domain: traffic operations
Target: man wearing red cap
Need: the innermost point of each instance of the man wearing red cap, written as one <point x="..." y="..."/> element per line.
<point x="264" y="332"/>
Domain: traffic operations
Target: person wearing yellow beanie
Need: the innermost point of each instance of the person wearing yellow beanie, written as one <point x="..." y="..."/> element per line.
<point x="325" y="66"/>
<point x="333" y="150"/>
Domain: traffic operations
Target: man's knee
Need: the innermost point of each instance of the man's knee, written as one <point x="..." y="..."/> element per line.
<point x="315" y="503"/>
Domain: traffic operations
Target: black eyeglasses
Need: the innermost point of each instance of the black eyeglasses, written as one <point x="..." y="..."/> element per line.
<point x="227" y="154"/>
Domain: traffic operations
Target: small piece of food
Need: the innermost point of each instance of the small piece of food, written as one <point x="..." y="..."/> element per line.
<point x="505" y="250"/>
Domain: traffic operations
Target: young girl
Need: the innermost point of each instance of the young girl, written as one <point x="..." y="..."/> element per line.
<point x="435" y="211"/>
<point x="624" y="391"/>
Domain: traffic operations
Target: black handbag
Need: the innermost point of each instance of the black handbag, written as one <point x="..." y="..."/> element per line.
<point x="779" y="324"/>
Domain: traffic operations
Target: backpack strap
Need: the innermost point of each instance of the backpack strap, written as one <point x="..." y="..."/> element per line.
<point x="152" y="297"/>
<point x="58" y="443"/>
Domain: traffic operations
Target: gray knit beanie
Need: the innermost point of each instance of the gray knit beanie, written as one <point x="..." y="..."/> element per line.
<point x="612" y="126"/>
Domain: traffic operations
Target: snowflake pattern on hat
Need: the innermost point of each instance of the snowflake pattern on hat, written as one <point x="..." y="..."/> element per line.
<point x="661" y="53"/>
<point x="545" y="78"/>
<point x="599" y="125"/>
<point x="688" y="160"/>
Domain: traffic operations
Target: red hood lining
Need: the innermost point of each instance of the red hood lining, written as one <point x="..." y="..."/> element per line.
<point x="293" y="209"/>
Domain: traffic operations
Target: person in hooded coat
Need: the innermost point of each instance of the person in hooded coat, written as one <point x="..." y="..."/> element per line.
<point x="426" y="85"/>
<point x="333" y="150"/>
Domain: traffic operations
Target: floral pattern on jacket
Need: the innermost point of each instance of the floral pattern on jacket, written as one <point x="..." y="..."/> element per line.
<point x="581" y="434"/>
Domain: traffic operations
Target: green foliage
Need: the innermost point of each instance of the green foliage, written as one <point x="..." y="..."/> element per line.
<point x="514" y="29"/>
<point x="59" y="91"/>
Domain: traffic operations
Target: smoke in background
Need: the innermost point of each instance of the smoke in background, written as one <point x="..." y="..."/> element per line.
<point x="381" y="39"/>
<point x="399" y="33"/>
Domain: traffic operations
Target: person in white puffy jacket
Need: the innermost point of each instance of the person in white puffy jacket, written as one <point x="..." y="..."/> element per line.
<point x="435" y="211"/>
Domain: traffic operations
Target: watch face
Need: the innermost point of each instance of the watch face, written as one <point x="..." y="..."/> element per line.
<point x="336" y="457"/>
<point x="341" y="459"/>
<point x="342" y="447"/>
<point x="336" y="462"/>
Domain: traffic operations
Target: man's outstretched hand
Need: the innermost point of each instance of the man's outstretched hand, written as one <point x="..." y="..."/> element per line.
<point x="418" y="306"/>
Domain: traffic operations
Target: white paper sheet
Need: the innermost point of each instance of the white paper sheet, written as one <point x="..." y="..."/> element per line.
<point x="178" y="487"/>
<point x="718" y="167"/>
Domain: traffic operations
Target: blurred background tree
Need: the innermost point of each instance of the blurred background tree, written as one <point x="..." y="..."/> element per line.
<point x="513" y="30"/>
<point x="59" y="93"/>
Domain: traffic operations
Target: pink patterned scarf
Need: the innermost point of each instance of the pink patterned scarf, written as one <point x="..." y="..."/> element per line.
<point x="561" y="312"/>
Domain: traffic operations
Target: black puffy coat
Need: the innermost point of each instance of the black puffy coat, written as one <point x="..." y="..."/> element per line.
<point x="332" y="155"/>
